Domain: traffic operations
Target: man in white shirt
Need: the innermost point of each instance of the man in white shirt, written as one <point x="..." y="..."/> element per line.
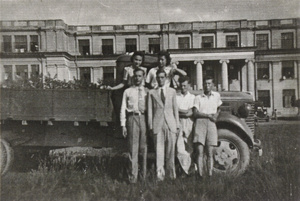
<point x="163" y="122"/>
<point x="134" y="124"/>
<point x="206" y="111"/>
<point x="185" y="102"/>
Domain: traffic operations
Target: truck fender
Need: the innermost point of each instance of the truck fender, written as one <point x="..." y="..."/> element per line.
<point x="238" y="126"/>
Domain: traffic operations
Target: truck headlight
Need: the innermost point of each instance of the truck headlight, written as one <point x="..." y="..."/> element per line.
<point x="244" y="109"/>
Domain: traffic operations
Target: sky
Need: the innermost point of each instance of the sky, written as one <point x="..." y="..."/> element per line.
<point x="114" y="12"/>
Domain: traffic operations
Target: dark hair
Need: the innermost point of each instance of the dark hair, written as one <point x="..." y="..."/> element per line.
<point x="183" y="79"/>
<point x="208" y="78"/>
<point x="161" y="71"/>
<point x="138" y="69"/>
<point x="138" y="53"/>
<point x="166" y="55"/>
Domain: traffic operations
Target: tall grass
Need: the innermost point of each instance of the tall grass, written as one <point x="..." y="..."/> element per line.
<point x="274" y="176"/>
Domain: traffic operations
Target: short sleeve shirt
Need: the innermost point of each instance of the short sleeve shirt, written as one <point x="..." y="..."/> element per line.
<point x="128" y="74"/>
<point x="151" y="77"/>
<point x="208" y="104"/>
<point x="185" y="102"/>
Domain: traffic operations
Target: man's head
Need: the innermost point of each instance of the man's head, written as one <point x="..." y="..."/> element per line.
<point x="164" y="59"/>
<point x="184" y="82"/>
<point x="139" y="75"/>
<point x="208" y="84"/>
<point x="137" y="58"/>
<point x="161" y="76"/>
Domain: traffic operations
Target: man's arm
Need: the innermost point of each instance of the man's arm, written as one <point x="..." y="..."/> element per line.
<point x="175" y="109"/>
<point x="149" y="111"/>
<point x="198" y="114"/>
<point x="123" y="114"/>
<point x="185" y="113"/>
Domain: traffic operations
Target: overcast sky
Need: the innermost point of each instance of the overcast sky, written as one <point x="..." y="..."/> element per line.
<point x="103" y="12"/>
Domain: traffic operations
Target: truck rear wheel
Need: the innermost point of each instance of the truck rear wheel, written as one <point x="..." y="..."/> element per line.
<point x="232" y="153"/>
<point x="7" y="156"/>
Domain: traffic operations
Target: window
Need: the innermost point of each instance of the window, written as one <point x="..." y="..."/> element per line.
<point x="21" y="43"/>
<point x="231" y="41"/>
<point x="184" y="43"/>
<point x="7" y="72"/>
<point x="108" y="73"/>
<point x="263" y="72"/>
<point x="84" y="47"/>
<point x="288" y="70"/>
<point x="35" y="70"/>
<point x="288" y="97"/>
<point x="85" y="74"/>
<point x="34" y="43"/>
<point x="7" y="46"/>
<point x="287" y="40"/>
<point x="207" y="41"/>
<point x="130" y="45"/>
<point x="264" y="96"/>
<point x="154" y="45"/>
<point x="21" y="71"/>
<point x="107" y="46"/>
<point x="262" y="41"/>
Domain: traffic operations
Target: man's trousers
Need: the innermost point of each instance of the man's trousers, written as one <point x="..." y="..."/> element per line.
<point x="164" y="142"/>
<point x="137" y="142"/>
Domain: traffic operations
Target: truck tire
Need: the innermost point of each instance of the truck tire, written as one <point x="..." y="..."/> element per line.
<point x="7" y="156"/>
<point x="232" y="153"/>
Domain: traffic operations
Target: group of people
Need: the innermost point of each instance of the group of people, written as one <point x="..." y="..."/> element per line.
<point x="177" y="121"/>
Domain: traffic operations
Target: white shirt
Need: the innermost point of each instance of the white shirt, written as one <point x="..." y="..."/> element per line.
<point x="151" y="77"/>
<point x="208" y="104"/>
<point x="185" y="102"/>
<point x="130" y="102"/>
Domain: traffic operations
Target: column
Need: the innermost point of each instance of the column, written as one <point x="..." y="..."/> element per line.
<point x="199" y="74"/>
<point x="251" y="79"/>
<point x="224" y="74"/>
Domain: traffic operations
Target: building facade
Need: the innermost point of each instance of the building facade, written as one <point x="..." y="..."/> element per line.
<point x="259" y="56"/>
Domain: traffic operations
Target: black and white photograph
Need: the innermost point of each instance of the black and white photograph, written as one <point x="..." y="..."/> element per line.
<point x="149" y="100"/>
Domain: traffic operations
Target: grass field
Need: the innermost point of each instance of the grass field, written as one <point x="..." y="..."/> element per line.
<point x="274" y="176"/>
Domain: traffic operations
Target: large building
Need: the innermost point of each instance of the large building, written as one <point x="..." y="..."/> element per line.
<point x="260" y="56"/>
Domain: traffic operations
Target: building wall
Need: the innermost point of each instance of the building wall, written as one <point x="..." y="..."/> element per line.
<point x="57" y="37"/>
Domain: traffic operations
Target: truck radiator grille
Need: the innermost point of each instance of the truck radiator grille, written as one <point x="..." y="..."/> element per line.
<point x="250" y="119"/>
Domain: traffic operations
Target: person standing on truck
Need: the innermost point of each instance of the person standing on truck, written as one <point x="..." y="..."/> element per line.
<point x="185" y="102"/>
<point x="133" y="123"/>
<point x="206" y="111"/>
<point x="164" y="61"/>
<point x="163" y="123"/>
<point x="137" y="60"/>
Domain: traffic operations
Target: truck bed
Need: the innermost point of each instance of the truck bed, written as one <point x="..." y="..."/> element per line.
<point x="56" y="105"/>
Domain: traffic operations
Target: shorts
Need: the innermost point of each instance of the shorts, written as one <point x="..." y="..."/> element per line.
<point x="205" y="132"/>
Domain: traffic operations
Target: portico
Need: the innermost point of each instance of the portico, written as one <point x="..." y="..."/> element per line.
<point x="232" y="70"/>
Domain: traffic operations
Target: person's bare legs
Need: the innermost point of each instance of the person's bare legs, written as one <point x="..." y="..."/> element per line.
<point x="210" y="161"/>
<point x="200" y="150"/>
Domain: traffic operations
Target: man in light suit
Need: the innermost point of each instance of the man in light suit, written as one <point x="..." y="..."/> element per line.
<point x="163" y="122"/>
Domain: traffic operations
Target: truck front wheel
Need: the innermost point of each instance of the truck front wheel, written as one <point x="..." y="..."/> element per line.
<point x="7" y="155"/>
<point x="231" y="154"/>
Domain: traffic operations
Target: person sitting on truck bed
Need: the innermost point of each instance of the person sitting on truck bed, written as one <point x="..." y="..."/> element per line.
<point x="133" y="116"/>
<point x="164" y="61"/>
<point x="185" y="102"/>
<point x="137" y="60"/>
<point x="206" y="111"/>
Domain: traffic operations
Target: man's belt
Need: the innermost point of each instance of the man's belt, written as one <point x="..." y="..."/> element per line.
<point x="135" y="113"/>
